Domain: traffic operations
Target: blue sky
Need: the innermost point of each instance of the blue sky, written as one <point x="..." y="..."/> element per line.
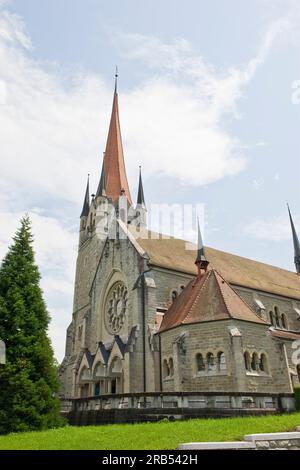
<point x="206" y="108"/>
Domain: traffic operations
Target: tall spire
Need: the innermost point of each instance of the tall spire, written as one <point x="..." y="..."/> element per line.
<point x="141" y="197"/>
<point x="201" y="261"/>
<point x="101" y="191"/>
<point x="86" y="202"/>
<point x="116" y="179"/>
<point x="296" y="243"/>
<point x="116" y="80"/>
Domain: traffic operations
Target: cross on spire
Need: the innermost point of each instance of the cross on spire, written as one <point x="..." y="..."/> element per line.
<point x="116" y="80"/>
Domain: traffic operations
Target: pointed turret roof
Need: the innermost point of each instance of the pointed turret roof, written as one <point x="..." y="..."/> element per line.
<point x="101" y="190"/>
<point x="195" y="305"/>
<point x="201" y="260"/>
<point x="86" y="202"/>
<point x="141" y="197"/>
<point x="296" y="243"/>
<point x="116" y="179"/>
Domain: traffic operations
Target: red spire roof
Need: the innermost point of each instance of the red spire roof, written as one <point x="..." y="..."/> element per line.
<point x="208" y="298"/>
<point x="116" y="179"/>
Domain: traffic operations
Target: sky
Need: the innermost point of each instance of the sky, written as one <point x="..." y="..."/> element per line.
<point x="209" y="106"/>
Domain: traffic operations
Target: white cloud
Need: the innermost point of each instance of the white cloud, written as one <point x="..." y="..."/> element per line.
<point x="181" y="133"/>
<point x="55" y="247"/>
<point x="53" y="130"/>
<point x="274" y="229"/>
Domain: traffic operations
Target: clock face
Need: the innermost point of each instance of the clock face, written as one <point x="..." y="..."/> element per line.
<point x="116" y="308"/>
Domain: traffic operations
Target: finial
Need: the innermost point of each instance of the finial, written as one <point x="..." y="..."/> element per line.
<point x="116" y="80"/>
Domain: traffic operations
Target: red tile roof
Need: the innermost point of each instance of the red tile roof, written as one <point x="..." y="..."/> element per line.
<point x="172" y="253"/>
<point x="285" y="334"/>
<point x="208" y="298"/>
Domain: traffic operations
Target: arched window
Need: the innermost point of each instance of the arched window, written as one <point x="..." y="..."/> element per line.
<point x="284" y="322"/>
<point x="210" y="362"/>
<point x="182" y="288"/>
<point x="277" y="318"/>
<point x="254" y="362"/>
<point x="166" y="370"/>
<point x="97" y="389"/>
<point x="298" y="372"/>
<point x="263" y="365"/>
<point x="247" y="360"/>
<point x="272" y="319"/>
<point x="221" y="361"/>
<point x="200" y="365"/>
<point x="174" y="295"/>
<point x="171" y="367"/>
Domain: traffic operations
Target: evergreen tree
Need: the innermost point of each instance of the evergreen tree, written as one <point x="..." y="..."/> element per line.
<point x="28" y="380"/>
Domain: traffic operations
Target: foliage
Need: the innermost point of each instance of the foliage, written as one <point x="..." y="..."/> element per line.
<point x="297" y="398"/>
<point x="28" y="380"/>
<point x="145" y="436"/>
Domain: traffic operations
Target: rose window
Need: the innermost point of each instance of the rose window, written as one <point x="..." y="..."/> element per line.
<point x="116" y="307"/>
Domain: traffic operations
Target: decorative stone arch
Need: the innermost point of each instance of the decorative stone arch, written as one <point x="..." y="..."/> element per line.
<point x="84" y="382"/>
<point x="99" y="370"/>
<point x="115" y="276"/>
<point x="263" y="364"/>
<point x="173" y="294"/>
<point x="199" y="362"/>
<point x="171" y="366"/>
<point x="277" y="316"/>
<point x="211" y="361"/>
<point x="221" y="361"/>
<point x="115" y="375"/>
<point x="254" y="362"/>
<point x="272" y="318"/>
<point x="165" y="368"/>
<point x="284" y="321"/>
<point x="247" y="360"/>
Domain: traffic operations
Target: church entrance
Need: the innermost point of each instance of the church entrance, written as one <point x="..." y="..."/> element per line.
<point x="84" y="392"/>
<point x="114" y="386"/>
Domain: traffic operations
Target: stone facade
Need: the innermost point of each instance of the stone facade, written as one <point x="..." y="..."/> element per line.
<point x="169" y="361"/>
<point x="114" y="343"/>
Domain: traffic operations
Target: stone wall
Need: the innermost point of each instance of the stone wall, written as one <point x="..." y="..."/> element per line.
<point x="215" y="337"/>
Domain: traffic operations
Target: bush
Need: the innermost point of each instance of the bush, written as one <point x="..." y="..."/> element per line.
<point x="297" y="398"/>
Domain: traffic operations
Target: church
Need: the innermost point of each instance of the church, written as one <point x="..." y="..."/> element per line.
<point x="151" y="316"/>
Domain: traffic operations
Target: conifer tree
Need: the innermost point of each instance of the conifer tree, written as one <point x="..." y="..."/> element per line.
<point x="28" y="380"/>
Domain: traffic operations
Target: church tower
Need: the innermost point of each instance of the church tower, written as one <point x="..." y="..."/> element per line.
<point x="93" y="232"/>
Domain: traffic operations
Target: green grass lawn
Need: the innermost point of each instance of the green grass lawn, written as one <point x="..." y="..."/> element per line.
<point x="145" y="436"/>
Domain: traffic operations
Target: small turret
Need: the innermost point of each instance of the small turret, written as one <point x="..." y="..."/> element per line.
<point x="296" y="243"/>
<point x="141" y="210"/>
<point x="85" y="211"/>
<point x="201" y="260"/>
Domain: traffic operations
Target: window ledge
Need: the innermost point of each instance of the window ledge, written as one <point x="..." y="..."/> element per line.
<point x="211" y="373"/>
